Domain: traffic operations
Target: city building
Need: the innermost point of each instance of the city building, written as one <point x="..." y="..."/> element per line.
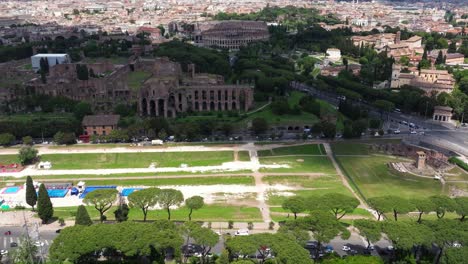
<point x="355" y="69"/>
<point x="230" y="34"/>
<point x="333" y="54"/>
<point x="100" y="125"/>
<point x="431" y="81"/>
<point x="170" y="91"/>
<point x="454" y="58"/>
<point x="52" y="59"/>
<point x="442" y="113"/>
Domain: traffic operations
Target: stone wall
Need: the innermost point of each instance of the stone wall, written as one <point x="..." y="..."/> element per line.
<point x="433" y="158"/>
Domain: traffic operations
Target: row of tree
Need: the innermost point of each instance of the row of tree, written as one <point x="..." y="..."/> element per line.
<point x="144" y="200"/>
<point x="439" y="204"/>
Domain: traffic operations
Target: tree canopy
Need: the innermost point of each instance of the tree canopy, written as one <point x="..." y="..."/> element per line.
<point x="168" y="198"/>
<point x="102" y="200"/>
<point x="133" y="240"/>
<point x="144" y="199"/>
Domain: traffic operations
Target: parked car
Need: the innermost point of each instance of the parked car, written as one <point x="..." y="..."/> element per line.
<point x="242" y="232"/>
<point x="311" y="244"/>
<point x="346" y="248"/>
<point x="329" y="249"/>
<point x="13" y="244"/>
<point x="3" y="252"/>
<point x="397" y="131"/>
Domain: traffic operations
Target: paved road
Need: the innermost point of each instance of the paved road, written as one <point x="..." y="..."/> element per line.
<point x="443" y="135"/>
<point x="45" y="236"/>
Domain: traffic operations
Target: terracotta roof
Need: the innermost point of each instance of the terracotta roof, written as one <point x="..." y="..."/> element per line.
<point x="454" y="55"/>
<point x="413" y="39"/>
<point x="100" y="120"/>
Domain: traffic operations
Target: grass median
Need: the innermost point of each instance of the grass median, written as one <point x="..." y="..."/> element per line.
<point x="304" y="186"/>
<point x="307" y="149"/>
<point x="136" y="160"/>
<point x="311" y="164"/>
<point x="214" y="212"/>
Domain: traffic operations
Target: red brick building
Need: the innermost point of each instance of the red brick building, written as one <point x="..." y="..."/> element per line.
<point x="99" y="124"/>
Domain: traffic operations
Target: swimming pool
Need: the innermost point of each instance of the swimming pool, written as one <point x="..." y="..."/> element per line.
<point x="57" y="193"/>
<point x="11" y="190"/>
<point x="93" y="188"/>
<point x="128" y="191"/>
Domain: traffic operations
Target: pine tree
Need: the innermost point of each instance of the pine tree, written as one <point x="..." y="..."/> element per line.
<point x="82" y="216"/>
<point x="31" y="195"/>
<point x="44" y="205"/>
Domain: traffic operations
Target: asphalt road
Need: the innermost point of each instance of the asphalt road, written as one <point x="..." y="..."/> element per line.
<point x="17" y="232"/>
<point x="453" y="139"/>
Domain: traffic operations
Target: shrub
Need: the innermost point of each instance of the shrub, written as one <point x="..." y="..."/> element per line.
<point x="250" y="225"/>
<point x="230" y="224"/>
<point x="458" y="162"/>
<point x="271" y="225"/>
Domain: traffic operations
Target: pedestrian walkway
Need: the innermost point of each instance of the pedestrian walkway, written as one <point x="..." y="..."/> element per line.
<point x="7" y="241"/>
<point x="362" y="204"/>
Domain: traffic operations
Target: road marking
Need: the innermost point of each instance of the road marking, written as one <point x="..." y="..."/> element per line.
<point x="46" y="242"/>
<point x="5" y="242"/>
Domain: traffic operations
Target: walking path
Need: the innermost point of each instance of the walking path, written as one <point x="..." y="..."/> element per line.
<point x="136" y="177"/>
<point x="261" y="188"/>
<point x="362" y="204"/>
<point x="225" y="167"/>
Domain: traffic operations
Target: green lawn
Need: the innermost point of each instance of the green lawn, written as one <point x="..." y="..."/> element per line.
<point x="267" y="114"/>
<point x="207" y="213"/>
<point x="312" y="186"/>
<point x="7" y="159"/>
<point x="345" y="148"/>
<point x="136" y="160"/>
<point x="136" y="78"/>
<point x="243" y="156"/>
<point x="456" y="174"/>
<point x="359" y="148"/>
<point x="309" y="149"/>
<point x="299" y="164"/>
<point x="244" y="180"/>
<point x="373" y="178"/>
<point x="37" y="117"/>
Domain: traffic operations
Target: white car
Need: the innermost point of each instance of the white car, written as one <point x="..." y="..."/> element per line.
<point x="39" y="243"/>
<point x="242" y="232"/>
<point x="397" y="131"/>
<point x="3" y="252"/>
<point x="346" y="248"/>
<point x="413" y="132"/>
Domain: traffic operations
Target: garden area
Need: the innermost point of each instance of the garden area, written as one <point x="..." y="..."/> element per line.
<point x="207" y="213"/>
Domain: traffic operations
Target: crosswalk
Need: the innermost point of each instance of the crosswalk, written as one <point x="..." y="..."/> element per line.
<point x="6" y="241"/>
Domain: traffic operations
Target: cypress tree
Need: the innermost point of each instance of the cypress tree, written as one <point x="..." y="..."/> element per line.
<point x="31" y="195"/>
<point x="44" y="205"/>
<point x="82" y="216"/>
<point x="440" y="58"/>
<point x="424" y="57"/>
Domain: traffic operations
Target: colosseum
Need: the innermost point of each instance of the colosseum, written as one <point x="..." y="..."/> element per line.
<point x="170" y="91"/>
<point x="230" y="34"/>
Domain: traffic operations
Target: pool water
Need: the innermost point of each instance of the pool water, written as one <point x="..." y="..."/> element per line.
<point x="128" y="191"/>
<point x="11" y="190"/>
<point x="93" y="188"/>
<point x="57" y="193"/>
